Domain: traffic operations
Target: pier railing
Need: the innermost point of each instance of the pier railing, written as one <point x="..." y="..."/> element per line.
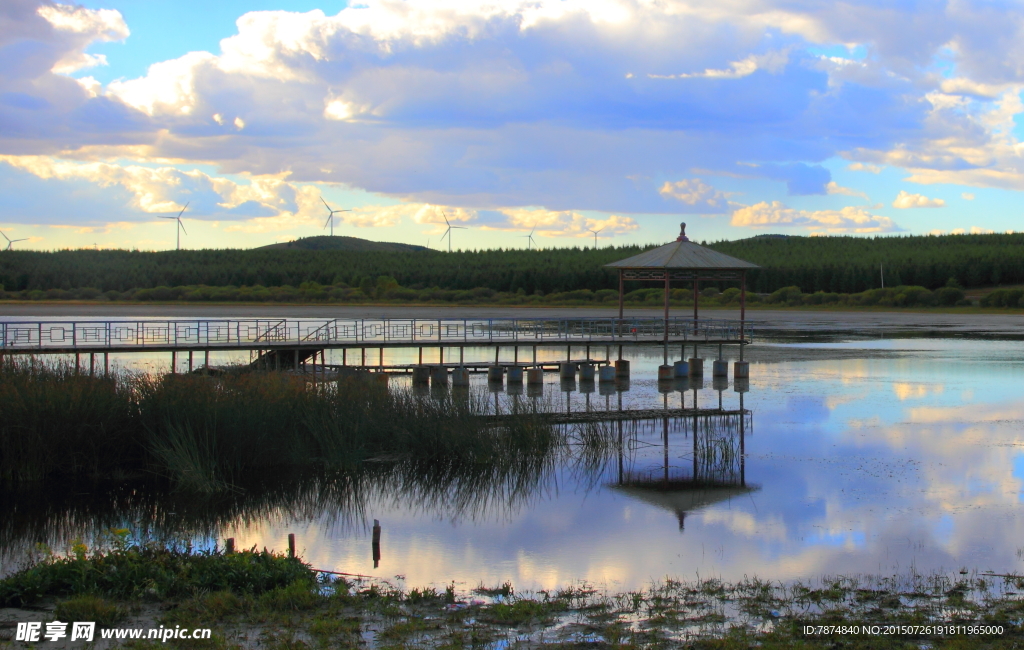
<point x="128" y="335"/>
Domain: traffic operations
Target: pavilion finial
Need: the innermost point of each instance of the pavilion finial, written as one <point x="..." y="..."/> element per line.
<point x="682" y="232"/>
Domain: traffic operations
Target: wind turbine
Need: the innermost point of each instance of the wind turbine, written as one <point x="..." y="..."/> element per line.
<point x="448" y="233"/>
<point x="529" y="238"/>
<point x="10" y="242"/>
<point x="595" y="235"/>
<point x="330" y="217"/>
<point x="180" y="227"/>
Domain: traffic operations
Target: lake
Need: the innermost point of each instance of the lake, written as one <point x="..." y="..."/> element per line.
<point x="859" y="455"/>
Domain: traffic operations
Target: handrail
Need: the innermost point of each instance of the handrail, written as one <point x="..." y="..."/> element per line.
<point x="256" y="333"/>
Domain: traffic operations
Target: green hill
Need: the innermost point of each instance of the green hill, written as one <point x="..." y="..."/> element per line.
<point x="339" y="243"/>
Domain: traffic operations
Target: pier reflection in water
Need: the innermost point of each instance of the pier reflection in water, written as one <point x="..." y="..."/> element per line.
<point x="601" y="449"/>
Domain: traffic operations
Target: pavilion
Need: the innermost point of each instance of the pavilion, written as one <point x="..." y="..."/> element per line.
<point x="686" y="261"/>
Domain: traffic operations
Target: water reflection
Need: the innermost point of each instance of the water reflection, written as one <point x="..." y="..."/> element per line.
<point x="342" y="503"/>
<point x="894" y="455"/>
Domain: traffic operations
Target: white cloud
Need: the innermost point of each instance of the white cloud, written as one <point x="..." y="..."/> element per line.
<point x="969" y="87"/>
<point x="545" y="223"/>
<point x="861" y="167"/>
<point x="83" y="26"/>
<point x="695" y="192"/>
<point x="846" y="220"/>
<point x="155" y="190"/>
<point x="560" y="223"/>
<point x="835" y="188"/>
<point x="906" y="200"/>
<point x="978" y="230"/>
<point x="772" y="62"/>
<point x="967" y="196"/>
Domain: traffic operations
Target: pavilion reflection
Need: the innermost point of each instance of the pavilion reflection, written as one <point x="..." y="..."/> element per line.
<point x="684" y="463"/>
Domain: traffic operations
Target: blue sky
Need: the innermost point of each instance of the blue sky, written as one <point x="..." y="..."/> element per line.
<point x="564" y="116"/>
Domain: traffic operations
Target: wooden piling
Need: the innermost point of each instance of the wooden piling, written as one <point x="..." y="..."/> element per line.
<point x="375" y="546"/>
<point x="229" y="546"/>
<point x="291" y="545"/>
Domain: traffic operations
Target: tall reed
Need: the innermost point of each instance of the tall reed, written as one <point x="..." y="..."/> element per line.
<point x="207" y="433"/>
<point x="54" y="421"/>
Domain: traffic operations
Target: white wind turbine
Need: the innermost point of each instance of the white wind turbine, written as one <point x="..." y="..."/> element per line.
<point x="10" y="242"/>
<point x="529" y="238"/>
<point x="595" y="235"/>
<point x="330" y="217"/>
<point x="180" y="227"/>
<point x="448" y="233"/>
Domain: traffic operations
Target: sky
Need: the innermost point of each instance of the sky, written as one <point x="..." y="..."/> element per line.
<point x="506" y="117"/>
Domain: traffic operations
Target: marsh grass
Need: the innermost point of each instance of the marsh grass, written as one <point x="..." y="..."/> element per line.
<point x="280" y="600"/>
<point x="130" y="572"/>
<point x="206" y="433"/>
<point x="54" y="421"/>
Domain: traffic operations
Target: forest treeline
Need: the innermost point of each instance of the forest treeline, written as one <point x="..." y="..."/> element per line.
<point x="814" y="264"/>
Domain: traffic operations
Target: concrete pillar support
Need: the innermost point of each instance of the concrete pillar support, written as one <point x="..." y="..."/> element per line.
<point x="720" y="368"/>
<point x="438" y="375"/>
<point x="587" y="372"/>
<point x="622" y="368"/>
<point x="567" y="370"/>
<point x="682" y="369"/>
<point x="696" y="367"/>
<point x="741" y="370"/>
<point x="421" y="374"/>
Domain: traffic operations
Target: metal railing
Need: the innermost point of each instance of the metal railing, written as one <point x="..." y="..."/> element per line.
<point x="258" y="333"/>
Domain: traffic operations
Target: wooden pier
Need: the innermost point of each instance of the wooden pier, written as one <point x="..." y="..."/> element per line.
<point x="285" y="343"/>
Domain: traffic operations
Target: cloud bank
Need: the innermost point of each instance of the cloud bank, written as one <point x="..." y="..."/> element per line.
<point x="553" y="106"/>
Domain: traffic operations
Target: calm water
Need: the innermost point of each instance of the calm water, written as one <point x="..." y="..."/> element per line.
<point x="870" y="456"/>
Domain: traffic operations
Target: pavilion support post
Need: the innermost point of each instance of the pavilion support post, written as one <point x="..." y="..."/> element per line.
<point x="743" y="308"/>
<point x="742" y="304"/>
<point x="696" y="298"/>
<point x="621" y="286"/>
<point x="667" y="288"/>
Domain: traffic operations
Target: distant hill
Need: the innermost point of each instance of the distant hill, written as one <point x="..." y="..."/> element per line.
<point x="339" y="243"/>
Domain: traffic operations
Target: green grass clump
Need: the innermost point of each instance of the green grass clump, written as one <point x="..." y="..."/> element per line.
<point x="89" y="607"/>
<point x="130" y="572"/>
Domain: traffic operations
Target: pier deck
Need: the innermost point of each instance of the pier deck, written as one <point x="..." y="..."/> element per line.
<point x="207" y="335"/>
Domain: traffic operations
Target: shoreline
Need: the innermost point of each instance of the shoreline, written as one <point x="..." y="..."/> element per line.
<point x="279" y="601"/>
<point x="954" y="321"/>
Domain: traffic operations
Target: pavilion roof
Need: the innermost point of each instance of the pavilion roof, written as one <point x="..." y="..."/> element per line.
<point x="682" y="254"/>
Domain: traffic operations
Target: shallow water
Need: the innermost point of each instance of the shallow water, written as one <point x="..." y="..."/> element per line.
<point x="869" y="456"/>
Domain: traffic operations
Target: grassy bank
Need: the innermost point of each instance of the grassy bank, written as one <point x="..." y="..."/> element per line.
<point x="262" y="599"/>
<point x="386" y="291"/>
<point x="207" y="433"/>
